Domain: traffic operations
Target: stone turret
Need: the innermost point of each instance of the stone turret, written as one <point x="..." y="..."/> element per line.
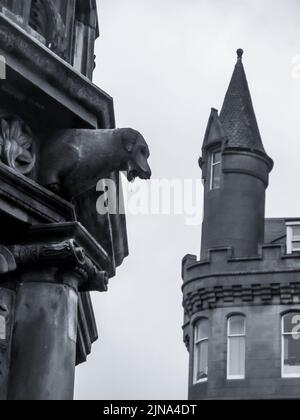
<point x="235" y="170"/>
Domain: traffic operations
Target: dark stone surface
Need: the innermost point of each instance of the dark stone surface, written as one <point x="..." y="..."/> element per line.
<point x="7" y="302"/>
<point x="234" y="214"/>
<point x="44" y="340"/>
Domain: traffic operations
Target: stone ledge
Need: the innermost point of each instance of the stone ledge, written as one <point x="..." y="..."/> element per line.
<point x="15" y="42"/>
<point x="32" y="202"/>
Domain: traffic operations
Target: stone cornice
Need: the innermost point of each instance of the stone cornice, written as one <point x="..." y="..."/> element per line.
<point x="285" y="293"/>
<point x="35" y="201"/>
<point x="222" y="280"/>
<point x="16" y="43"/>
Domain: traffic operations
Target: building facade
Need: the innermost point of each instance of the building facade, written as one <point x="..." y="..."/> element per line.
<point x="57" y="142"/>
<point x="242" y="297"/>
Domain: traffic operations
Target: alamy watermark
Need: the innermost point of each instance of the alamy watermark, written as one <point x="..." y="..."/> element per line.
<point x="160" y="197"/>
<point x="2" y="67"/>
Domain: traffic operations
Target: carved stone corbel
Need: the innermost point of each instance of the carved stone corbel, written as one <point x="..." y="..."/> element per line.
<point x="54" y="253"/>
<point x="66" y="255"/>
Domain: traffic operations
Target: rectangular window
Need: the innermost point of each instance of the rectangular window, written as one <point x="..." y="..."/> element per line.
<point x="216" y="170"/>
<point x="293" y="238"/>
<point x="236" y="347"/>
<point x="201" y="334"/>
<point x="291" y="345"/>
<point x="2" y="328"/>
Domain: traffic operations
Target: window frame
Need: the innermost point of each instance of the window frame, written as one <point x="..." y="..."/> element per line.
<point x="3" y="329"/>
<point x="229" y="337"/>
<point x="197" y="343"/>
<point x="290" y="239"/>
<point x="213" y="165"/>
<point x="283" y="335"/>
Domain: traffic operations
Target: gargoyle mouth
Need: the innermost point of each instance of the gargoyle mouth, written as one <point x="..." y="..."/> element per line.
<point x="133" y="172"/>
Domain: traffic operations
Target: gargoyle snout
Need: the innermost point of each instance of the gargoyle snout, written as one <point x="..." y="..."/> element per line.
<point x="148" y="172"/>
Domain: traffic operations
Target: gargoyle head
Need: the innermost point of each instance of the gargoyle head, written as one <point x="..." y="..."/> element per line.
<point x="138" y="153"/>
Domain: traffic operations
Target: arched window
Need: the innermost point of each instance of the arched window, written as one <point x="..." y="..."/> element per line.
<point x="201" y="335"/>
<point x="236" y="347"/>
<point x="291" y="345"/>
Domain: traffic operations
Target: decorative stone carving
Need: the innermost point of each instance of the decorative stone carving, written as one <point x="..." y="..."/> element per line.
<point x="66" y="252"/>
<point x="73" y="161"/>
<point x="16" y="144"/>
<point x="46" y="21"/>
<point x="7" y="261"/>
<point x="66" y="256"/>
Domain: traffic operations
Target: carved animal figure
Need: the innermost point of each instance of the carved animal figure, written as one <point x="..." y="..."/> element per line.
<point x="73" y="161"/>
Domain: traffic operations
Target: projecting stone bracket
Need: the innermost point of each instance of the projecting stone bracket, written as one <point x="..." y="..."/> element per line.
<point x="65" y="247"/>
<point x="66" y="255"/>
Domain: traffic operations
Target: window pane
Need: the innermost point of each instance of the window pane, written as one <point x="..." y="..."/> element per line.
<point x="216" y="181"/>
<point x="296" y="245"/>
<point x="202" y="330"/>
<point x="2" y="328"/>
<point x="296" y="231"/>
<point x="201" y="361"/>
<point x="236" y="357"/>
<point x="237" y="325"/>
<point x="291" y="323"/>
<point x="217" y="157"/>
<point x="291" y="355"/>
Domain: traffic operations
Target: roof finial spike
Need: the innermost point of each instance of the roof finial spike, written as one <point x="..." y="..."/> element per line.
<point x="240" y="53"/>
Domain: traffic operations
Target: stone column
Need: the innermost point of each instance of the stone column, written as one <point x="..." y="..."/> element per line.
<point x="43" y="348"/>
<point x="43" y="354"/>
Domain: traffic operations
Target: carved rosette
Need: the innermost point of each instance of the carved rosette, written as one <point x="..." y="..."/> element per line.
<point x="16" y="144"/>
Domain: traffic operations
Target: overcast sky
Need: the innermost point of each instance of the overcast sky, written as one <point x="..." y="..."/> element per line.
<point x="166" y="63"/>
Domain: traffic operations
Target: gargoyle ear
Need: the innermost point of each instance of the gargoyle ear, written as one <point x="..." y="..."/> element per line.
<point x="129" y="140"/>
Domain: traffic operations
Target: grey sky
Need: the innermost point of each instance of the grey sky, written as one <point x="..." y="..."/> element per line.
<point x="166" y="63"/>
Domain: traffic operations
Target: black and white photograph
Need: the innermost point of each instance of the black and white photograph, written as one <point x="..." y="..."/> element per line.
<point x="149" y="208"/>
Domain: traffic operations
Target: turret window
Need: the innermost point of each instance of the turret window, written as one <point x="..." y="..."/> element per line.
<point x="236" y="347"/>
<point x="2" y="328"/>
<point x="293" y="238"/>
<point x="201" y="334"/>
<point x="215" y="171"/>
<point x="291" y="345"/>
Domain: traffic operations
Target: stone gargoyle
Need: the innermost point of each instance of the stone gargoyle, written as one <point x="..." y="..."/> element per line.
<point x="74" y="160"/>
